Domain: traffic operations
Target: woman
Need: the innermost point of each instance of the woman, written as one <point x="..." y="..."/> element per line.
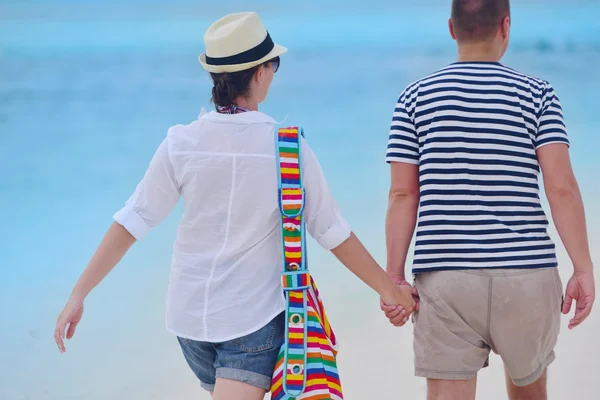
<point x="225" y="297"/>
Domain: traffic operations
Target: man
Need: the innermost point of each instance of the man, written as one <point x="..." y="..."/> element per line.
<point x="466" y="146"/>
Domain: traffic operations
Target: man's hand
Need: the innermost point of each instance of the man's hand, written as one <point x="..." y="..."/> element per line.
<point x="397" y="314"/>
<point x="582" y="289"/>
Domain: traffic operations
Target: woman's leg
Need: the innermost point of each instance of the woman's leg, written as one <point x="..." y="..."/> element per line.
<point x="244" y="366"/>
<point x="226" y="389"/>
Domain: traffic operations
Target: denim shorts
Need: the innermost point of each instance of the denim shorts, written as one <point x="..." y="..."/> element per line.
<point x="250" y="359"/>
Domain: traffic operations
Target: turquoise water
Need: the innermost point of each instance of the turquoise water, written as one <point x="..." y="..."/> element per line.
<point x="87" y="91"/>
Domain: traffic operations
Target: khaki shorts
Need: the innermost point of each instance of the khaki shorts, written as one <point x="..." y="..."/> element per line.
<point x="465" y="314"/>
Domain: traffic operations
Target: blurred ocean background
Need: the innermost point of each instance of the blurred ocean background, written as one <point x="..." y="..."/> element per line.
<point x="87" y="92"/>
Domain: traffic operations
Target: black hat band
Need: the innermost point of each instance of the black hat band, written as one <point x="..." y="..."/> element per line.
<point x="248" y="56"/>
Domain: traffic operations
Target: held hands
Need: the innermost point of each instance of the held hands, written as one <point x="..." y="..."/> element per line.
<point x="405" y="301"/>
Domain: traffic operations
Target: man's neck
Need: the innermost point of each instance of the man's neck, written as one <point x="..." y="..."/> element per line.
<point x="478" y="52"/>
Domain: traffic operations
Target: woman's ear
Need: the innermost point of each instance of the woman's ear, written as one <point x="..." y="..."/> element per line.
<point x="259" y="75"/>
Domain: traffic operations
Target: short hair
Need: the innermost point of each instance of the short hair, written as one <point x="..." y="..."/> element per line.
<point x="476" y="20"/>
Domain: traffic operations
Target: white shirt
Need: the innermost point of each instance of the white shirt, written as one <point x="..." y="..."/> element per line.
<point x="225" y="279"/>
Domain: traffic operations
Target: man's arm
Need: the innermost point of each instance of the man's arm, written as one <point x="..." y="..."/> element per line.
<point x="401" y="216"/>
<point x="569" y="218"/>
<point x="403" y="157"/>
<point x="399" y="228"/>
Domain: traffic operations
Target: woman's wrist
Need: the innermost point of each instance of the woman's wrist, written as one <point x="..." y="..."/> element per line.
<point x="78" y="295"/>
<point x="388" y="293"/>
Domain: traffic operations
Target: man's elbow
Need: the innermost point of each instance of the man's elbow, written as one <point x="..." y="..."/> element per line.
<point x="403" y="194"/>
<point x="566" y="188"/>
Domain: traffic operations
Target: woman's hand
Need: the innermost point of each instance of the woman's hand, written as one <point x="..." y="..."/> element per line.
<point x="70" y="315"/>
<point x="399" y="304"/>
<point x="397" y="313"/>
<point x="115" y="244"/>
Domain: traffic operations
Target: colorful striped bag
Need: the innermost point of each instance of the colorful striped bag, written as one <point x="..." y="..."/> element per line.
<point x="306" y="367"/>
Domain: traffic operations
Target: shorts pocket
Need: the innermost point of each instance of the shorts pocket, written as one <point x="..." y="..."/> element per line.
<point x="262" y="339"/>
<point x="559" y="286"/>
<point x="414" y="316"/>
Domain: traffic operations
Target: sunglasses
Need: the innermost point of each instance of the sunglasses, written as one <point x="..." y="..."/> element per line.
<point x="275" y="62"/>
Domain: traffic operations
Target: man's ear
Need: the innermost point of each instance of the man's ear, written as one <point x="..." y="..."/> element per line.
<point x="505" y="27"/>
<point x="451" y="28"/>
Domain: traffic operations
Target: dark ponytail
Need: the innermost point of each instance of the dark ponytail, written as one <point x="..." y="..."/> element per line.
<point x="229" y="86"/>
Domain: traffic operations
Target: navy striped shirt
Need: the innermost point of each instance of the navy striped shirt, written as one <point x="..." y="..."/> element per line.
<point x="473" y="129"/>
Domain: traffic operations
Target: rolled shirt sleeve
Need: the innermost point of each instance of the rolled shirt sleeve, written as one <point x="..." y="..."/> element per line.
<point x="323" y="218"/>
<point x="154" y="197"/>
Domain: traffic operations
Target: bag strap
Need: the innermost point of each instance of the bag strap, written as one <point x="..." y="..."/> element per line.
<point x="295" y="276"/>
<point x="291" y="198"/>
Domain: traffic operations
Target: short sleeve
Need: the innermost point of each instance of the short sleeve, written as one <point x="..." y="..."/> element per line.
<point x="323" y="218"/>
<point x="551" y="123"/>
<point x="403" y="145"/>
<point x="154" y="197"/>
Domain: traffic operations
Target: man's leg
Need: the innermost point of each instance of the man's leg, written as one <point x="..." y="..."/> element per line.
<point x="450" y="332"/>
<point x="439" y="389"/>
<point x="533" y="391"/>
<point x="524" y="327"/>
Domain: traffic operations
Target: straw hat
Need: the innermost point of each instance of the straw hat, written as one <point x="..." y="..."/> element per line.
<point x="238" y="42"/>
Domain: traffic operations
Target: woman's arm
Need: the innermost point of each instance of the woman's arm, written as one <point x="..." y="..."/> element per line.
<point x="326" y="225"/>
<point x="359" y="261"/>
<point x="113" y="247"/>
<point x="154" y="198"/>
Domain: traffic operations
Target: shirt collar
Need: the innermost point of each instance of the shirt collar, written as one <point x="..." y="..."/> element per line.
<point x="250" y="117"/>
